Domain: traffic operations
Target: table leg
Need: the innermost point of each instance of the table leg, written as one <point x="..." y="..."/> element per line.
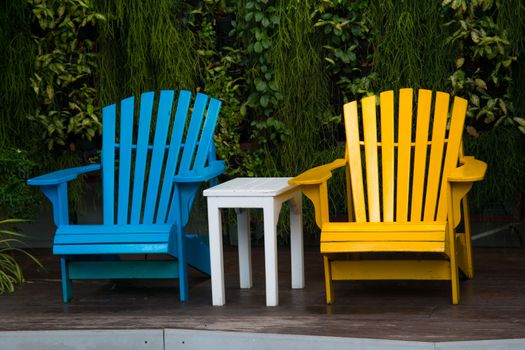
<point x="296" y="241"/>
<point x="271" y="216"/>
<point x="216" y="253"/>
<point x="244" y="246"/>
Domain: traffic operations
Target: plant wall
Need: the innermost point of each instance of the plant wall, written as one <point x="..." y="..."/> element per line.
<point x="283" y="70"/>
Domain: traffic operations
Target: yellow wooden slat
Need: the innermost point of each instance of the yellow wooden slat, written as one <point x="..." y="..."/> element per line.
<point x="459" y="111"/>
<point x="354" y="160"/>
<point x="387" y="153"/>
<point x="421" y="236"/>
<point x="420" y="157"/>
<point x="389" y="246"/>
<point x="370" y="138"/>
<point x="436" y="154"/>
<point x="391" y="270"/>
<point x="404" y="139"/>
<point x="384" y="226"/>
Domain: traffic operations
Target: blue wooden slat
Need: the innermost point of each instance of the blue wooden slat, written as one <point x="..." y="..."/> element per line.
<point x="76" y="249"/>
<point x="173" y="154"/>
<point x="146" y="109"/>
<point x="111" y="238"/>
<point x="126" y="134"/>
<point x="123" y="269"/>
<point x="115" y="229"/>
<point x="193" y="133"/>
<point x="207" y="135"/>
<point x="108" y="163"/>
<point x="159" y="146"/>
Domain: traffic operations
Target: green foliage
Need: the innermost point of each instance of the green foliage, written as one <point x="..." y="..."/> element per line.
<point x="409" y="44"/>
<point x="144" y="46"/>
<point x="16" y="61"/>
<point x="10" y="271"/>
<point x="305" y="107"/>
<point x="502" y="149"/>
<point x="64" y="70"/>
<point x="255" y="26"/>
<point x="16" y="198"/>
<point x="484" y="62"/>
<point x="344" y="31"/>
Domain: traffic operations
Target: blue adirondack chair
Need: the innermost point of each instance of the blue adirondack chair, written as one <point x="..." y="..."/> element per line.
<point x="149" y="185"/>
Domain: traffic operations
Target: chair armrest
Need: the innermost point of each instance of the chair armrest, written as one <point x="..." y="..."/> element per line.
<point x="214" y="169"/>
<point x="461" y="180"/>
<point x="314" y="184"/>
<point x="61" y="176"/>
<point x="318" y="174"/>
<point x="471" y="170"/>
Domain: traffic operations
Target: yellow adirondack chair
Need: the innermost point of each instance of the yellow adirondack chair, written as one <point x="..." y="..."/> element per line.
<point x="409" y="200"/>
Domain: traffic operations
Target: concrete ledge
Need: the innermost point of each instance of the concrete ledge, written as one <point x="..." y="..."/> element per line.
<point x="171" y="339"/>
<point x="193" y="340"/>
<point x="83" y="340"/>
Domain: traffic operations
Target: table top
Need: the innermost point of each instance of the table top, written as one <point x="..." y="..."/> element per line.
<point x="250" y="187"/>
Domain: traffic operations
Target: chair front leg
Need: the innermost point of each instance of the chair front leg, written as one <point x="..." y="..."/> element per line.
<point x="451" y="235"/>
<point x="67" y="285"/>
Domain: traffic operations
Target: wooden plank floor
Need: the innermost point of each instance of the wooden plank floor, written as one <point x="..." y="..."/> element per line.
<point x="493" y="304"/>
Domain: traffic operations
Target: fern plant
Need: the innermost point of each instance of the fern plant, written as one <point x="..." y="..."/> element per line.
<point x="11" y="274"/>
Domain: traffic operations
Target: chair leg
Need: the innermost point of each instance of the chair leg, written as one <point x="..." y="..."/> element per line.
<point x="328" y="280"/>
<point x="183" y="269"/>
<point x="469" y="268"/>
<point x="454" y="271"/>
<point x="67" y="286"/>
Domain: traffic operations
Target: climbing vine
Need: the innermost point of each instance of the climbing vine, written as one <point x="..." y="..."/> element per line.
<point x="483" y="63"/>
<point x="64" y="70"/>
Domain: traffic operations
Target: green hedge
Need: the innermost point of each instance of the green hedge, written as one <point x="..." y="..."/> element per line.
<point x="282" y="68"/>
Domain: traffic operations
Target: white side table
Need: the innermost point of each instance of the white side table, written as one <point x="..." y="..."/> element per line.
<point x="268" y="194"/>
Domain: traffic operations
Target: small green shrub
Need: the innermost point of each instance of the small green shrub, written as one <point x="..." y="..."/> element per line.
<point x="10" y="271"/>
<point x="16" y="198"/>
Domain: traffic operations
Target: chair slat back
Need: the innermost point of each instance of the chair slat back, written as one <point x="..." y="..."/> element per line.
<point x="411" y="184"/>
<point x="149" y="160"/>
<point x="404" y="139"/>
<point x="372" y="176"/>
<point x="354" y="160"/>
<point x="424" y="104"/>
<point x="141" y="156"/>
<point x="127" y="107"/>
<point x="436" y="155"/>
<point x="387" y="153"/>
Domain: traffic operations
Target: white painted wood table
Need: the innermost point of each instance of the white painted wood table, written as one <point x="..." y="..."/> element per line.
<point x="242" y="194"/>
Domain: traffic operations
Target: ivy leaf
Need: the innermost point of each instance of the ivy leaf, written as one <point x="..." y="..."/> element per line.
<point x="474" y="99"/>
<point x="257" y="47"/>
<point x="459" y="62"/>
<point x="260" y="85"/>
<point x="475" y="37"/>
<point x="481" y="84"/>
<point x="266" y="43"/>
<point x="264" y="100"/>
<point x="50" y="92"/>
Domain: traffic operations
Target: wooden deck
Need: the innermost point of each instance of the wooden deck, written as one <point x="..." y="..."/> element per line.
<point x="492" y="306"/>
